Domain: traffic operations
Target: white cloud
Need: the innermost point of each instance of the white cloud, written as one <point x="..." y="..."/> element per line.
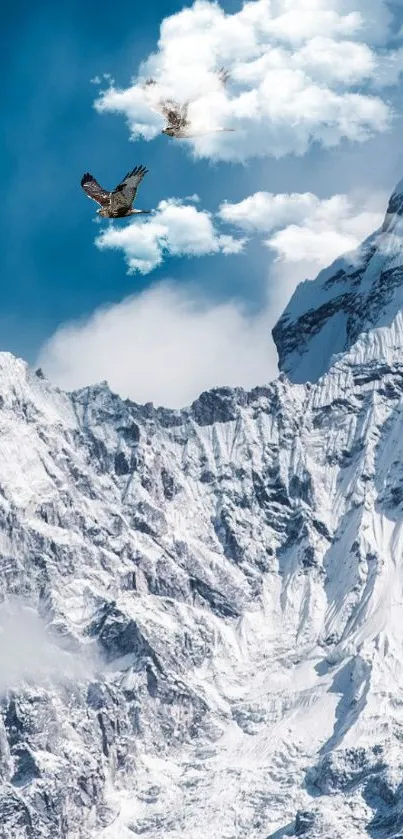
<point x="164" y="345"/>
<point x="175" y="228"/>
<point x="28" y="652"/>
<point x="262" y="211"/>
<point x="343" y="61"/>
<point x="305" y="228"/>
<point x="301" y="228"/>
<point x="295" y="244"/>
<point x="299" y="73"/>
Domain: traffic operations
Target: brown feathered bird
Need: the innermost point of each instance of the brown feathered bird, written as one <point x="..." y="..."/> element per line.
<point x="118" y="202"/>
<point x="176" y="115"/>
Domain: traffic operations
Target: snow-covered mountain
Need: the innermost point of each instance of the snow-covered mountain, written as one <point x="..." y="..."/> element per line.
<point x="203" y="609"/>
<point x="358" y="293"/>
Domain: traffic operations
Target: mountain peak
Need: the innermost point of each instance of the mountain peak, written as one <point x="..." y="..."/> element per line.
<point x="395" y="207"/>
<point x="361" y="291"/>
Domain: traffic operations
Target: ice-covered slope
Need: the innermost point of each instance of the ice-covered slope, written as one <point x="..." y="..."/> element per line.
<point x="360" y="291"/>
<point x="219" y="594"/>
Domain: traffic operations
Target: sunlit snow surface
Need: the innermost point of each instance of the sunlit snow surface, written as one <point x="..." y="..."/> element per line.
<point x="223" y="588"/>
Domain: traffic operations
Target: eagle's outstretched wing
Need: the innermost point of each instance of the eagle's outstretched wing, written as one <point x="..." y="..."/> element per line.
<point x="128" y="185"/>
<point x="94" y="190"/>
<point x="126" y="190"/>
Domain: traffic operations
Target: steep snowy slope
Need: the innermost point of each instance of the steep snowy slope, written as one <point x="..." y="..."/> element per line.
<point x="212" y="599"/>
<point x="360" y="291"/>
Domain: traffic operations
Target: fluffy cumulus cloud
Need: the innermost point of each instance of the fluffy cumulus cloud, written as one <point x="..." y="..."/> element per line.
<point x="300" y="227"/>
<point x="175" y="228"/>
<point x="164" y="345"/>
<point x="300" y="71"/>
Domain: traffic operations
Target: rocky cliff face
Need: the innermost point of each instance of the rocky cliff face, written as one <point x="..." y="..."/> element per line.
<point x="202" y="609"/>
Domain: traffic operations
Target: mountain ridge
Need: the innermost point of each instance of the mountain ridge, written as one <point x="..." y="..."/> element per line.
<point x="224" y="587"/>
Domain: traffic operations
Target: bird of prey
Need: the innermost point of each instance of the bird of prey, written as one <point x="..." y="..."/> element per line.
<point x="118" y="202"/>
<point x="178" y="124"/>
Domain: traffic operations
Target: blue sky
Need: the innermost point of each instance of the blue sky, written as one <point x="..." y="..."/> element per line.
<point x="53" y="273"/>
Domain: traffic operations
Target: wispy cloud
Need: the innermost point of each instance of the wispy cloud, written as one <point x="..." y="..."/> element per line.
<point x="29" y="653"/>
<point x="299" y="73"/>
<point x="176" y="229"/>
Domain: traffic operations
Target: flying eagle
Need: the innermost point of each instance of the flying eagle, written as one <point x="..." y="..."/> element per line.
<point x="118" y="203"/>
<point x="178" y="125"/>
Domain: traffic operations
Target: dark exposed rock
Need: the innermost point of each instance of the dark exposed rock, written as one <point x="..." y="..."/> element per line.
<point x="130" y="433"/>
<point x="304" y="821"/>
<point x="169" y="485"/>
<point x="294" y="337"/>
<point x="215" y="600"/>
<point x="226" y="535"/>
<point x="25" y="766"/>
<point x="119" y="636"/>
<point x="122" y="466"/>
<point x="15" y="816"/>
<point x="219" y="405"/>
